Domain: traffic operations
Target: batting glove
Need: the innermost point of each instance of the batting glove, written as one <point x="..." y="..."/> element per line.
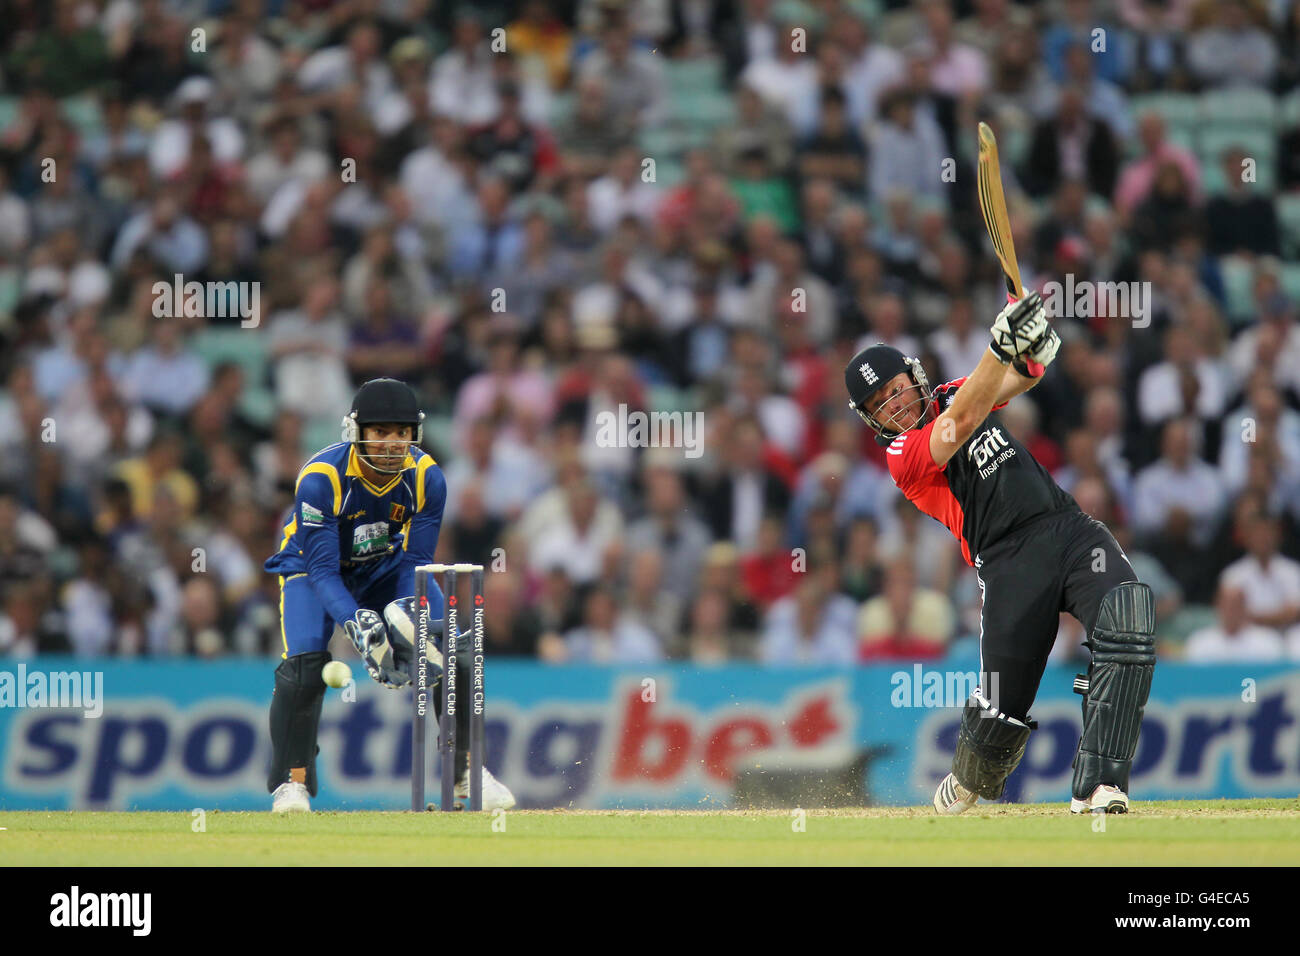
<point x="1040" y="355"/>
<point x="369" y="636"/>
<point x="1018" y="327"/>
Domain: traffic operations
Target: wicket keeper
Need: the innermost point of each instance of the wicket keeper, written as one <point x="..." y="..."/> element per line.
<point x="366" y="512"/>
<point x="1035" y="554"/>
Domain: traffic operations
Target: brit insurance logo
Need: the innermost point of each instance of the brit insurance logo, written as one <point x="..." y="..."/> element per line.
<point x="991" y="445"/>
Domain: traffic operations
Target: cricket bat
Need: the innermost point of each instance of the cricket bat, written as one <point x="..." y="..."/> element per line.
<point x="994" y="206"/>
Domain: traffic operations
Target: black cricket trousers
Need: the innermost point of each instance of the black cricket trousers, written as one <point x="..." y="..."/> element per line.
<point x="1061" y="561"/>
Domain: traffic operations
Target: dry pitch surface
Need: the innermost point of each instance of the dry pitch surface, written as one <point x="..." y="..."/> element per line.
<point x="1217" y="832"/>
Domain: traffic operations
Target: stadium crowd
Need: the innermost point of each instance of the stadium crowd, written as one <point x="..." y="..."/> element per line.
<point x="535" y="212"/>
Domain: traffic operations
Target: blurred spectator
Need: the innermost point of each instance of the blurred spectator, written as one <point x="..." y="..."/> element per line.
<point x="287" y="158"/>
<point x="573" y="528"/>
<point x="164" y="376"/>
<point x="787" y="80"/>
<point x="1072" y="145"/>
<point x="593" y="132"/>
<point x="1232" y="638"/>
<point x="814" y="625"/>
<point x="65" y="57"/>
<point x="1180" y="492"/>
<point x="605" y="637"/>
<point x="647" y="603"/>
<point x="955" y="68"/>
<point x="1237" y="49"/>
<point x="170" y="147"/>
<point x="872" y="68"/>
<point x="1187" y="382"/>
<point x="1159" y="40"/>
<point x="511" y="627"/>
<point x="1138" y="178"/>
<point x="496" y="238"/>
<point x="907" y="151"/>
<point x="633" y="77"/>
<point x="736" y="498"/>
<point x="308" y="348"/>
<point x="758" y="128"/>
<point x="173" y="241"/>
<point x="1241" y="220"/>
<point x="904" y="621"/>
<point x="669" y="529"/>
<point x="1269" y="581"/>
<point x="384" y="343"/>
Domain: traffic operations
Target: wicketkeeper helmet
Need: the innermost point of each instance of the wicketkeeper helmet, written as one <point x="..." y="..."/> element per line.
<point x="382" y="401"/>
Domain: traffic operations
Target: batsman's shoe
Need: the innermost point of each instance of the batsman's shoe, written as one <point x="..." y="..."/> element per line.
<point x="1105" y="799"/>
<point x="290" y="798"/>
<point x="496" y="795"/>
<point x="952" y="797"/>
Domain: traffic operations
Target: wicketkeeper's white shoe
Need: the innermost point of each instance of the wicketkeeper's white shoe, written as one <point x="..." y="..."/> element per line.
<point x="496" y="795"/>
<point x="952" y="797"/>
<point x="1105" y="799"/>
<point x="291" y="798"/>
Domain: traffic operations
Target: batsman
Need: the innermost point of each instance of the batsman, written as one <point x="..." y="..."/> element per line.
<point x="366" y="512"/>
<point x="1035" y="554"/>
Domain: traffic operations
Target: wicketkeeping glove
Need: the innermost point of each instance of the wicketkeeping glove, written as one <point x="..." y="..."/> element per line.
<point x="1018" y="327"/>
<point x="369" y="635"/>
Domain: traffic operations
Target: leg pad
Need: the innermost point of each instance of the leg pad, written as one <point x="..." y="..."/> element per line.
<point x="989" y="747"/>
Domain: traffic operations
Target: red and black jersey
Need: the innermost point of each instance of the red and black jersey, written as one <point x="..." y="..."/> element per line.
<point x="991" y="486"/>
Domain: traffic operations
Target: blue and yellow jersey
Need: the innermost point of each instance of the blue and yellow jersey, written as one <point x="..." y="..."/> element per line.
<point x="343" y="528"/>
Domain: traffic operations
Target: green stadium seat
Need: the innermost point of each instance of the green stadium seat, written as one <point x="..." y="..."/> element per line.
<point x="662" y="143"/>
<point x="1214" y="183"/>
<point x="319" y="432"/>
<point x="83" y="112"/>
<point x="1238" y="276"/>
<point x="439" y="437"/>
<point x="700" y="74"/>
<point x="1013" y="145"/>
<point x="562" y="106"/>
<point x="1184" y="137"/>
<point x="8" y="111"/>
<point x="258" y="406"/>
<point x="1180" y="110"/>
<point x="1186" y="622"/>
<point x="1260" y="145"/>
<point x="1288" y="110"/>
<point x="1289" y="273"/>
<point x="246" y="347"/>
<point x="1288" y="215"/>
<point x="1212" y="179"/>
<point x="706" y="111"/>
<point x="1240" y="107"/>
<point x="669" y="173"/>
<point x="11" y="288"/>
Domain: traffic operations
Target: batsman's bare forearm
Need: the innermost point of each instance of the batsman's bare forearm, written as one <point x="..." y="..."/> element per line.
<point x="1014" y="384"/>
<point x="978" y="394"/>
<point x="970" y="406"/>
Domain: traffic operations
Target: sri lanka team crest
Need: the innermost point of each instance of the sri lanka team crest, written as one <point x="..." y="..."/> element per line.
<point x="396" y="512"/>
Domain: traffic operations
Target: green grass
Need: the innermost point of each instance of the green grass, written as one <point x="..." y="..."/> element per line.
<point x="1229" y="832"/>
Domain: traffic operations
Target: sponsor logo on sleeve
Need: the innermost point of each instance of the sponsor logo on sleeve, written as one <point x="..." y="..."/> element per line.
<point x="311" y="517"/>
